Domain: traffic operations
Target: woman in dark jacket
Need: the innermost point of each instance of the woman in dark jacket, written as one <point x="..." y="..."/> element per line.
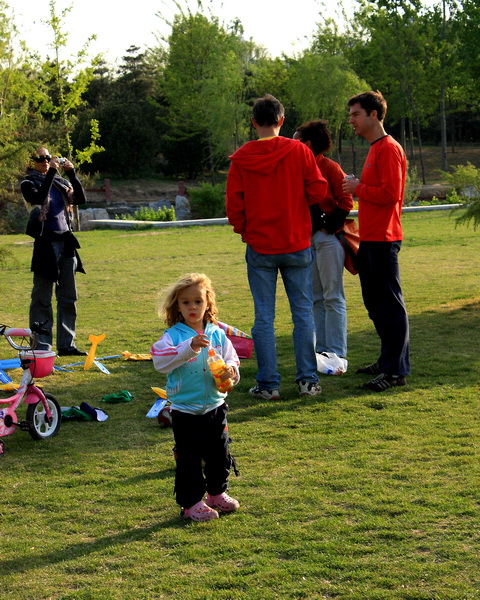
<point x="55" y="258"/>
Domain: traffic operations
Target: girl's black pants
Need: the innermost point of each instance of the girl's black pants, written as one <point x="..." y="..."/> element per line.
<point x="202" y="454"/>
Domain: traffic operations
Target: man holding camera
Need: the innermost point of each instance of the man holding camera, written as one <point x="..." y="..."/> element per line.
<point x="49" y="199"/>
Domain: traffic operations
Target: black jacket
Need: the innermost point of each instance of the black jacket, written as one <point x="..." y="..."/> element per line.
<point x="35" y="190"/>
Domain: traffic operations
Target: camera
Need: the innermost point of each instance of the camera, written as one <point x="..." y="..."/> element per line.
<point x="61" y="161"/>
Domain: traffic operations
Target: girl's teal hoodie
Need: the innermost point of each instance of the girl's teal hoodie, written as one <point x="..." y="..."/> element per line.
<point x="190" y="385"/>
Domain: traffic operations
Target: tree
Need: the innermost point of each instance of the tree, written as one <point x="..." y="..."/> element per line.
<point x="467" y="24"/>
<point x="18" y="117"/>
<point x="400" y="57"/>
<point x="443" y="120"/>
<point x="444" y="74"/>
<point x="267" y="75"/>
<point x="128" y="109"/>
<point x="320" y="85"/>
<point x="202" y="85"/>
<point x="65" y="82"/>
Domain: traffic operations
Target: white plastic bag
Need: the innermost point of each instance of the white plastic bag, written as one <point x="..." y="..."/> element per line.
<point x="329" y="363"/>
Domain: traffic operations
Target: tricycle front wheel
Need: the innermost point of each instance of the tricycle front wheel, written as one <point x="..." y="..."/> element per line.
<point x="40" y="427"/>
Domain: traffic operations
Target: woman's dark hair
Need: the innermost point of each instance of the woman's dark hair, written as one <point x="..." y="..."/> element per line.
<point x="318" y="134"/>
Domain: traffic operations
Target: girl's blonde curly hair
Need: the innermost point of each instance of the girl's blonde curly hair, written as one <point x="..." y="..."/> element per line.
<point x="169" y="305"/>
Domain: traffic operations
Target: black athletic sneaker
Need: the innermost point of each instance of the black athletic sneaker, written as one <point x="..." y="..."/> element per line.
<point x="372" y="369"/>
<point x="383" y="382"/>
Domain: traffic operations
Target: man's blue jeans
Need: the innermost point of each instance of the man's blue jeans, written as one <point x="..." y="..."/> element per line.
<point x="295" y="269"/>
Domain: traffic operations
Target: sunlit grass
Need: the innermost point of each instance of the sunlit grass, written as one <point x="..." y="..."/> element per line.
<point x="352" y="495"/>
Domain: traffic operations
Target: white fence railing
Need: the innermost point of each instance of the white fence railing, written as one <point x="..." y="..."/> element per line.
<point x="128" y="223"/>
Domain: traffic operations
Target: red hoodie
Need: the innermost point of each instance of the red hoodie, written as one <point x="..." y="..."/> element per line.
<point x="270" y="184"/>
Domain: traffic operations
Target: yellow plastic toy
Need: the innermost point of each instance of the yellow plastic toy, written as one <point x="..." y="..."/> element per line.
<point x="95" y="340"/>
<point x="128" y="356"/>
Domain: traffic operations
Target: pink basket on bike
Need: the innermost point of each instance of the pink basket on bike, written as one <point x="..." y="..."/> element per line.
<point x="42" y="364"/>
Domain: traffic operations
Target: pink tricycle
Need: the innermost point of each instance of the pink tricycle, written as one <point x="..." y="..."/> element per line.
<point x="43" y="411"/>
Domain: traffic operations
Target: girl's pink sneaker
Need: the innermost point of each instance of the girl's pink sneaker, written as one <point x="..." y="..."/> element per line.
<point x="222" y="502"/>
<point x="199" y="512"/>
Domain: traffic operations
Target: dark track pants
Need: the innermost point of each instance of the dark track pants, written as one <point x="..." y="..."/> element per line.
<point x="197" y="438"/>
<point x="41" y="309"/>
<point x="382" y="294"/>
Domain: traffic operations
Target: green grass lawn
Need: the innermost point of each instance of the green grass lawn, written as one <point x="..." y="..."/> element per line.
<point x="350" y="495"/>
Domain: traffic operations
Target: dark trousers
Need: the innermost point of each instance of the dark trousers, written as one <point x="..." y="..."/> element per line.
<point x="41" y="309"/>
<point x="382" y="294"/>
<point x="201" y="438"/>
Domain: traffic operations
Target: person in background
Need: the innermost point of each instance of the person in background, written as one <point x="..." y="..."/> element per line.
<point x="182" y="205"/>
<point x="329" y="305"/>
<point x="270" y="184"/>
<point x="380" y="199"/>
<point x="55" y="259"/>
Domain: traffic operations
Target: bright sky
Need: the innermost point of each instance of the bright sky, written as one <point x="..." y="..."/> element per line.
<point x="280" y="27"/>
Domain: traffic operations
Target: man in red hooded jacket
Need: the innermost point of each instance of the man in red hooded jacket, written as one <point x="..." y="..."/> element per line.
<point x="271" y="183"/>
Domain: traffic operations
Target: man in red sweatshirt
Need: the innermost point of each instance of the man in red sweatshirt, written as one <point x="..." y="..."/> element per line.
<point x="271" y="183"/>
<point x="380" y="198"/>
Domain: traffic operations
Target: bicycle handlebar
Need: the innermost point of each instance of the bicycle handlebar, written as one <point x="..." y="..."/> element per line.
<point x="16" y="332"/>
<point x="32" y="334"/>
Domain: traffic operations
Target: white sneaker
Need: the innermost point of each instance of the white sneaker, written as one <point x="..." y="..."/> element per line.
<point x="257" y="392"/>
<point x="308" y="388"/>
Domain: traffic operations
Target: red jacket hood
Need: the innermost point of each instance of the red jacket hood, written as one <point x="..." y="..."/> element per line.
<point x="262" y="156"/>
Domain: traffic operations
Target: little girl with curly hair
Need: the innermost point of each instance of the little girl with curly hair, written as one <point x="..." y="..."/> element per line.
<point x="198" y="408"/>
